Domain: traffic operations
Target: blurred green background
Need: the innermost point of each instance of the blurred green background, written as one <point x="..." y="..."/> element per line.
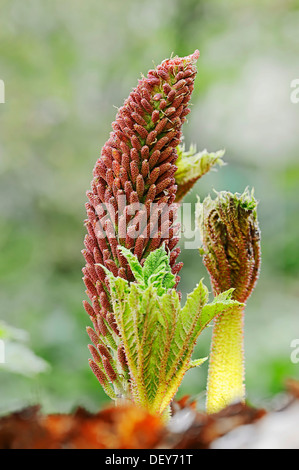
<point x="66" y="67"/>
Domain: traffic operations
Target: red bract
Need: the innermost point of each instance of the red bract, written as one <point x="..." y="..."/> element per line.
<point x="131" y="202"/>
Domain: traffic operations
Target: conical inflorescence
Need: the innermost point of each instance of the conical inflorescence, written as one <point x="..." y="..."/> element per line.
<point x="131" y="203"/>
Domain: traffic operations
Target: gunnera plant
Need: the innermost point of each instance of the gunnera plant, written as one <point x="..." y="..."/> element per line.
<point x="142" y="339"/>
<point x="231" y="253"/>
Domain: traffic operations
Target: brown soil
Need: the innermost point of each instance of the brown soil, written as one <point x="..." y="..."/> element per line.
<point x="129" y="427"/>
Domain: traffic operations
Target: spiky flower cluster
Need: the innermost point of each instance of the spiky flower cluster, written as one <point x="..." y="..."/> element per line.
<point x="131" y="202"/>
<point x="230" y="242"/>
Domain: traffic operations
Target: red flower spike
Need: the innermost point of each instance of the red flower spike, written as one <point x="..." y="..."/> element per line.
<point x="109" y="369"/>
<point x="104" y="351"/>
<point x="88" y="308"/>
<point x="92" y="335"/>
<point x="112" y="323"/>
<point x="136" y="167"/>
<point x="95" y="355"/>
<point x="121" y="356"/>
<point x="98" y="373"/>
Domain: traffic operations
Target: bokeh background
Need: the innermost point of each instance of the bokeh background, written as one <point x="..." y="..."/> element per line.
<point x="67" y="66"/>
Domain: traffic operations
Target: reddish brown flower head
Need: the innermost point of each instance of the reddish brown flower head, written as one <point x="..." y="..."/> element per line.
<point x="231" y="242"/>
<point x="131" y="201"/>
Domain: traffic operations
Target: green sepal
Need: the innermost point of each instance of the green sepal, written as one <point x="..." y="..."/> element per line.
<point x="191" y="166"/>
<point x="197" y="362"/>
<point x="109" y="391"/>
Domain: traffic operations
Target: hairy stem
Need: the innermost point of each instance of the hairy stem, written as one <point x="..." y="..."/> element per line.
<point x="226" y="368"/>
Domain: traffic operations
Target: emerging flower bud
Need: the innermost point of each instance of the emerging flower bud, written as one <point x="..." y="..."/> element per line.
<point x="230" y="242"/>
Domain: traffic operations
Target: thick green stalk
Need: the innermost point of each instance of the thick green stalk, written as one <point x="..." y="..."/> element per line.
<point x="226" y="368"/>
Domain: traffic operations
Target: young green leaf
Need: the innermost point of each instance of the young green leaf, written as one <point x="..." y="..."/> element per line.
<point x="158" y="335"/>
<point x="134" y="264"/>
<point x="191" y="166"/>
<point x="157" y="271"/>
